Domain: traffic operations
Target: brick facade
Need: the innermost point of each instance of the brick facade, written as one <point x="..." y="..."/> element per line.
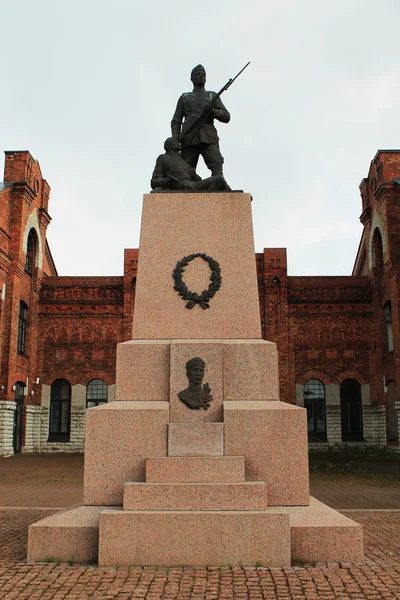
<point x="332" y="333"/>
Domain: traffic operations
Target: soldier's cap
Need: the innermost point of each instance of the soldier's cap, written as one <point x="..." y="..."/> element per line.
<point x="195" y="362"/>
<point x="196" y="68"/>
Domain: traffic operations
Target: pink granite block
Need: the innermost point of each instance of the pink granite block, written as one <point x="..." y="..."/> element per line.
<point x="175" y="226"/>
<point x="250" y="370"/>
<point x="70" y="535"/>
<point x="191" y="469"/>
<point x="272" y="436"/>
<point x="195" y="439"/>
<point x="321" y="534"/>
<point x="199" y="538"/>
<point x="250" y="495"/>
<point x="211" y="352"/>
<point x="119" y="437"/>
<point x="142" y="370"/>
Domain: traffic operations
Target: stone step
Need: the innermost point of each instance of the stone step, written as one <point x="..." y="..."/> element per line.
<point x="70" y="535"/>
<point x="193" y="469"/>
<point x="184" y="538"/>
<point x="250" y="495"/>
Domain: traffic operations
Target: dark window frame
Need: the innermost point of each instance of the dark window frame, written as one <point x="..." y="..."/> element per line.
<point x="31" y="252"/>
<point x="314" y="398"/>
<point x="387" y="313"/>
<point x="96" y="393"/>
<point x="351" y="410"/>
<point x="60" y="411"/>
<point x="22" y="327"/>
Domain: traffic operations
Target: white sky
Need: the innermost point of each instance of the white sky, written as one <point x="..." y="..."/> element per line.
<point x="89" y="88"/>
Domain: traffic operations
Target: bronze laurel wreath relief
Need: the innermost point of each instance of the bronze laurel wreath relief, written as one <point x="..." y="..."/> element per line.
<point x="192" y="298"/>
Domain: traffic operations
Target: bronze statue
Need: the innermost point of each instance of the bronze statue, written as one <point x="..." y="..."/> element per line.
<point x="173" y="173"/>
<point x="196" y="396"/>
<point x="199" y="137"/>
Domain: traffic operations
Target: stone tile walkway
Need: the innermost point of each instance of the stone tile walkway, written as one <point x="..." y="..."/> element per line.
<point x="56" y="481"/>
<point x="38" y="480"/>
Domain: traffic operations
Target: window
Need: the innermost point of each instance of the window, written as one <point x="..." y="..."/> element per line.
<point x="387" y="310"/>
<point x="60" y="411"/>
<point x="351" y="411"/>
<point x="377" y="253"/>
<point x="31" y="252"/>
<point x="96" y="393"/>
<point x="314" y="402"/>
<point x="18" y="429"/>
<point x="23" y="310"/>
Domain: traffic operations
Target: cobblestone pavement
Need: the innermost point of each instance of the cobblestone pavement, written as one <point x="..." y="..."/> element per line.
<point x="55" y="481"/>
<point x="378" y="578"/>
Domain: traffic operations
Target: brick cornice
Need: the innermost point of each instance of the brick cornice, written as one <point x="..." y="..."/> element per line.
<point x="383" y="188"/>
<point x="26" y="190"/>
<point x="365" y="216"/>
<point x="44" y="217"/>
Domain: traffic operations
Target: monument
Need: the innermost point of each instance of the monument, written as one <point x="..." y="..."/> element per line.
<point x="181" y="473"/>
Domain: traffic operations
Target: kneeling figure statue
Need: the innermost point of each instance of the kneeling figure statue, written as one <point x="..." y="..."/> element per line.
<point x="172" y="172"/>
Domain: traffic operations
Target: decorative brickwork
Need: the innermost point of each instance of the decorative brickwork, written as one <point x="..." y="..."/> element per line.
<point x="339" y="331"/>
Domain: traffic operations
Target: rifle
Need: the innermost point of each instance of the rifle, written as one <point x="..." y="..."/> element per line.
<point x="198" y="123"/>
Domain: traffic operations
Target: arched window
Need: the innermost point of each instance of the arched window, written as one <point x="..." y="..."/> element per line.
<point x="96" y="393"/>
<point x="22" y="317"/>
<point x="31" y="252"/>
<point x="314" y="402"/>
<point x="60" y="411"/>
<point x="377" y="253"/>
<point x="351" y="410"/>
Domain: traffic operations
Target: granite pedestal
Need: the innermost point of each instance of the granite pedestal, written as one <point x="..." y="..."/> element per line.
<point x="166" y="485"/>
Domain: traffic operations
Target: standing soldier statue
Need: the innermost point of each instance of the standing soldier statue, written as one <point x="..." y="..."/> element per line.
<point x="193" y="122"/>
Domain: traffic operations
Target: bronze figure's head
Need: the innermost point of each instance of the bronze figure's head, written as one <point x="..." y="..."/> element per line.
<point x="195" y="370"/>
<point x="198" y="75"/>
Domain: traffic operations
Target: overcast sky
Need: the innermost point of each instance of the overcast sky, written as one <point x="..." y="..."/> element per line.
<point x="89" y="88"/>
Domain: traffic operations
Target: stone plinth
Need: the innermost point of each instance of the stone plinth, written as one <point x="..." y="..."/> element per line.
<point x="272" y="436"/>
<point x="250" y="495"/>
<point x="119" y="438"/>
<point x="71" y="535"/>
<point x="319" y="533"/>
<point x="181" y="539"/>
<point x="143" y="370"/>
<point x="175" y="226"/>
<point x="211" y="352"/>
<point x="235" y="370"/>
<point x="250" y="370"/>
<point x="192" y="469"/>
<point x="195" y="439"/>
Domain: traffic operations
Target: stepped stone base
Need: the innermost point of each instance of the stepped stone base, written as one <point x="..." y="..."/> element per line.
<point x="197" y="538"/>
<point x="250" y="495"/>
<point x="192" y="469"/>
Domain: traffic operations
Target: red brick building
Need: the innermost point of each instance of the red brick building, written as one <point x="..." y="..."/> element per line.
<point x="338" y="337"/>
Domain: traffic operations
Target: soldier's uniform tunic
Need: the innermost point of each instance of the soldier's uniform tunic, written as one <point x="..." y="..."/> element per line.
<point x="204" y="142"/>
